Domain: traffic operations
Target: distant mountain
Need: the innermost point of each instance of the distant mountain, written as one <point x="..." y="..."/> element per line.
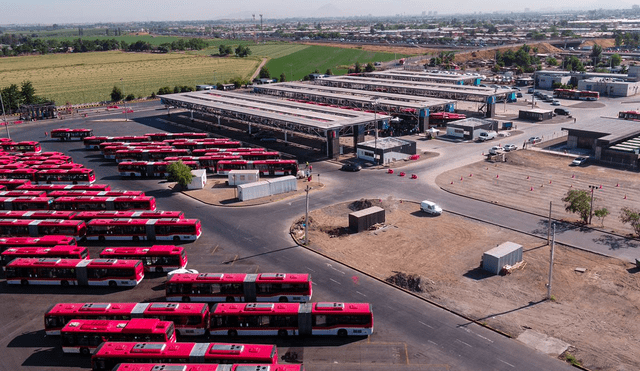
<point x="327" y="10"/>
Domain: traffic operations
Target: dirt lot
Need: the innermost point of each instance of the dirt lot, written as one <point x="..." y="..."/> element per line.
<point x="464" y="57"/>
<point x="541" y="177"/>
<point x="595" y="312"/>
<point x="378" y="48"/>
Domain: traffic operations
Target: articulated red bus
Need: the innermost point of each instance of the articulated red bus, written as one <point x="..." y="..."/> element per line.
<point x="144" y="229"/>
<point x="220" y="151"/>
<point x="45" y="241"/>
<point x="62" y="187"/>
<point x="144" y="214"/>
<point x="109" y="354"/>
<point x="190" y="319"/>
<point x="68" y="134"/>
<point x="94" y="142"/>
<point x="84" y="336"/>
<point x="89" y="203"/>
<point x="83" y="272"/>
<point x="78" y="192"/>
<point x="151" y="154"/>
<point x="25" y="155"/>
<point x="266" y="167"/>
<point x="204" y="162"/>
<point x="164" y="136"/>
<point x="207" y="367"/>
<point x="24" y="146"/>
<point x="157" y="258"/>
<point x="27" y="174"/>
<point x="59" y="251"/>
<point x="149" y="169"/>
<point x="62" y="176"/>
<point x="26" y="203"/>
<point x="23" y="193"/>
<point x="283" y="319"/>
<point x="14" y="183"/>
<point x="235" y="287"/>
<point x="42" y="227"/>
<point x="109" y="153"/>
<point x="37" y="214"/>
<point x="191" y="145"/>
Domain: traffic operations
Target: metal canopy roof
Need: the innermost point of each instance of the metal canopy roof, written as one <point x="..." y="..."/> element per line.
<point x="396" y="74"/>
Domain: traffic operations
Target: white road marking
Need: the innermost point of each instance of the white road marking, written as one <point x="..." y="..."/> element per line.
<point x="432" y="342"/>
<point x="485" y="338"/>
<point x="425" y="324"/>
<point x="506" y="362"/>
<point x="331" y="279"/>
<point x="361" y="293"/>
<point x="464" y="343"/>
<point x="310" y="269"/>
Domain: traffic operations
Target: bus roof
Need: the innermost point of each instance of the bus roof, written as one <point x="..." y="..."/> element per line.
<point x="241" y="277"/>
<point x="135" y="251"/>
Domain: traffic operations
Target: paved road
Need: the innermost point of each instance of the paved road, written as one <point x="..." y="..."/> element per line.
<point x="410" y="334"/>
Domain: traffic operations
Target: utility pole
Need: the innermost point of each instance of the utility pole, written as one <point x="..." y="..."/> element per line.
<point x="306" y="218"/>
<point x="591" y="205"/>
<point x="375" y="121"/>
<point x="124" y="99"/>
<point x="4" y="117"/>
<point x="549" y="227"/>
<point x="261" y="35"/>
<point x="553" y="245"/>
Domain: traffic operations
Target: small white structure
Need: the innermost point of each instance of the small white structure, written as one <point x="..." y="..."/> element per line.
<point x="237" y="177"/>
<point x="508" y="253"/>
<point x="265" y="188"/>
<point x="199" y="179"/>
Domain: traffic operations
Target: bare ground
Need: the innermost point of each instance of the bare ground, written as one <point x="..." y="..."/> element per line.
<point x="596" y="311"/>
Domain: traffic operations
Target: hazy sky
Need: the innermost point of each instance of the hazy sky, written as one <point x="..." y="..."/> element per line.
<point x="90" y="11"/>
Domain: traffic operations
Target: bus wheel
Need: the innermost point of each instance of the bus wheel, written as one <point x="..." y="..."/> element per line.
<point x="101" y="238"/>
<point x="64" y="283"/>
<point x="232" y="333"/>
<point x="176" y="238"/>
<point x="283" y="299"/>
<point x="230" y="299"/>
<point x="24" y="282"/>
<point x="342" y="333"/>
<point x="283" y="333"/>
<point x="186" y="298"/>
<point x="84" y="351"/>
<point x="136" y="239"/>
<point x="159" y="269"/>
<point x="115" y="284"/>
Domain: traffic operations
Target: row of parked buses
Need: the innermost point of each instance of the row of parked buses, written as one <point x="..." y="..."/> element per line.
<point x="77" y="203"/>
<point x="274" y="167"/>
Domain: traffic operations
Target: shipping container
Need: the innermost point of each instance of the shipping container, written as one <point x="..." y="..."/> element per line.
<point x="508" y="253"/>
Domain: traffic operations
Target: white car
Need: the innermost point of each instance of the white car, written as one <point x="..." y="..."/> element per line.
<point x="430" y="207"/>
<point x="510" y="147"/>
<point x="495" y="150"/>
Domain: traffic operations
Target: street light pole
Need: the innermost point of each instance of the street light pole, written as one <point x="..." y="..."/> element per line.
<point x="553" y="245"/>
<point x="306" y="219"/>
<point x="375" y="122"/>
<point x="4" y="117"/>
<point x="591" y="205"/>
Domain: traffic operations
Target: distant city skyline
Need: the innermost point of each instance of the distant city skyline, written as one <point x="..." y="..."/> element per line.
<point x="115" y="11"/>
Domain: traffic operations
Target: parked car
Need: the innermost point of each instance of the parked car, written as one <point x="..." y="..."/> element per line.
<point x="561" y="111"/>
<point x="487" y="135"/>
<point x="430" y="207"/>
<point x="555" y="103"/>
<point x="495" y="150"/>
<point x="579" y="161"/>
<point x="518" y="95"/>
<point x="510" y="147"/>
<point x="530" y="90"/>
<point x="534" y="140"/>
<point x="350" y="166"/>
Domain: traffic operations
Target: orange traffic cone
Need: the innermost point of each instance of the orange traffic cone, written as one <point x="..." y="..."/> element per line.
<point x="625" y="197"/>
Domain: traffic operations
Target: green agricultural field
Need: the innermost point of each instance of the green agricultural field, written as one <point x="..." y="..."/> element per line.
<point x="303" y="62"/>
<point x="90" y="77"/>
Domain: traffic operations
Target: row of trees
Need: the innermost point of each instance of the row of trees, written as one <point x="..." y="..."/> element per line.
<point x="579" y="202"/>
<point x="14" y="96"/>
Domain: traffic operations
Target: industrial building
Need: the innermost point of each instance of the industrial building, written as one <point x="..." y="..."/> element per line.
<point x="386" y="150"/>
<point x="607" y="84"/>
<point x="470" y="129"/>
<point x="535" y="114"/>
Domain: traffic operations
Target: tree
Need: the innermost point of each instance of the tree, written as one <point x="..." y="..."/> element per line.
<point x="116" y="94"/>
<point x="615" y="60"/>
<point x="164" y="90"/>
<point x="283" y="77"/>
<point x="551" y="61"/>
<point x="180" y="173"/>
<point x="243" y="51"/>
<point x="632" y="217"/>
<point x="328" y="72"/>
<point x="357" y="68"/>
<point x="130" y="97"/>
<point x="578" y="202"/>
<point x="225" y="49"/>
<point x="12" y="98"/>
<point x="596" y="52"/>
<point x="601" y="214"/>
<point x="28" y="92"/>
<point x="369" y="67"/>
<point x="264" y="73"/>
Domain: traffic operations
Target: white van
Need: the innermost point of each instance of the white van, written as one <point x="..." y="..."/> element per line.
<point x="430" y="207"/>
<point x="487" y="135"/>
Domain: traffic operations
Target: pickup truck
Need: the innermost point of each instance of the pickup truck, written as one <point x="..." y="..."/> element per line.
<point x="487" y="135"/>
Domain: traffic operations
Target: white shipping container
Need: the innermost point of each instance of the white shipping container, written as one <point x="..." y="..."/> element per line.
<point x="283" y="184"/>
<point x="253" y="190"/>
<point x="237" y="177"/>
<point x="508" y="253"/>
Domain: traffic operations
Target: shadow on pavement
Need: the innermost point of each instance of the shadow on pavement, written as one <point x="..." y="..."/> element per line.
<point x="616" y="242"/>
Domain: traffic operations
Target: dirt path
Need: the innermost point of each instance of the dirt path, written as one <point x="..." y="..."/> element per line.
<point x="255" y="74"/>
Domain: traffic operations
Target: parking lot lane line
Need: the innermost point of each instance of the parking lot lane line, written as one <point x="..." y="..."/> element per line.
<point x="361" y="294"/>
<point x="309" y="269"/>
<point x="507" y="363"/>
<point x="215" y="249"/>
<point x="464" y="343"/>
<point x="432" y="342"/>
<point x="331" y="279"/>
<point x="425" y="324"/>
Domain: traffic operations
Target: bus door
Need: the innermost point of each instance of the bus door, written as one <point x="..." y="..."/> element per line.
<point x="151" y="229"/>
<point x="304" y="319"/>
<point x="272" y="169"/>
<point x="249" y="287"/>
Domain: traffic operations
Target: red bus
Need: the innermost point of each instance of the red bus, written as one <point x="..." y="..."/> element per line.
<point x="61" y="187"/>
<point x="68" y="134"/>
<point x="204" y="162"/>
<point x="83" y="272"/>
<point x="24" y="146"/>
<point x="26" y="203"/>
<point x="24" y="155"/>
<point x="266" y="167"/>
<point x="41" y="159"/>
<point x="157" y="258"/>
<point x="94" y="142"/>
<point x="78" y="192"/>
<point x="61" y="166"/>
<point x="37" y="214"/>
<point x="143" y="169"/>
<point x="190" y="319"/>
<point x="237" y="287"/>
<point x="59" y="251"/>
<point x="109" y="354"/>
<point x="28" y="174"/>
<point x="23" y="193"/>
<point x="144" y="214"/>
<point x="144" y="229"/>
<point x="220" y="151"/>
<point x="14" y="165"/>
<point x="163" y="136"/>
<point x="89" y="203"/>
<point x="42" y="227"/>
<point x="566" y="93"/>
<point x="589" y="95"/>
<point x="15" y="183"/>
<point x="629" y="115"/>
<point x="85" y="335"/>
<point x="45" y="241"/>
<point x="192" y="145"/>
<point x="110" y="152"/>
<point x="151" y="154"/>
<point x="282" y="319"/>
<point x="207" y="367"/>
<point x="62" y="176"/>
